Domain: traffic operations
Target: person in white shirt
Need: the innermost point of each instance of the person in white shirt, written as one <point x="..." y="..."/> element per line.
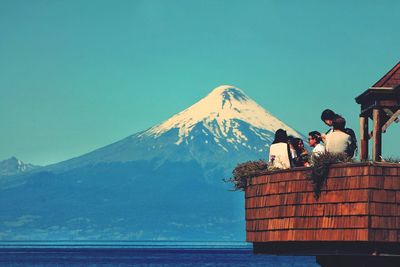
<point x="314" y="139"/>
<point x="337" y="141"/>
<point x="279" y="151"/>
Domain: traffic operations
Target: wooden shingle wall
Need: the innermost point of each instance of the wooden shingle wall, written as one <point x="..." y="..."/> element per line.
<point x="360" y="202"/>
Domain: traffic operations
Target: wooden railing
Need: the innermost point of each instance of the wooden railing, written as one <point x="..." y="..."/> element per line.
<point x="360" y="202"/>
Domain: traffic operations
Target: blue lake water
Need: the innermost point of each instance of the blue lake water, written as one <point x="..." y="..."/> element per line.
<point x="140" y="254"/>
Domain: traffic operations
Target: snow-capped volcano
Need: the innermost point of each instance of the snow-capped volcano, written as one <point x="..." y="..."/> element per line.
<point x="222" y="129"/>
<point x="219" y="112"/>
<point x="161" y="183"/>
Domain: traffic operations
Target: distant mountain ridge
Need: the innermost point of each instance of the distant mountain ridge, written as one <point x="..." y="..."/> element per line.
<point x="164" y="183"/>
<point x="14" y="166"/>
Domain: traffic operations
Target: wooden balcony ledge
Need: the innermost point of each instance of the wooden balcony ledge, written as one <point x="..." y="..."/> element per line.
<point x="357" y="213"/>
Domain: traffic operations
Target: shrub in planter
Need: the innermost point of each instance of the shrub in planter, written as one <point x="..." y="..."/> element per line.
<point x="245" y="171"/>
<point x="320" y="169"/>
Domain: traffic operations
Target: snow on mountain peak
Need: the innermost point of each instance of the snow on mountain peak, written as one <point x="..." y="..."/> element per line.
<point x="225" y="121"/>
<point x="13" y="166"/>
<point x="225" y="105"/>
<point x="227" y="92"/>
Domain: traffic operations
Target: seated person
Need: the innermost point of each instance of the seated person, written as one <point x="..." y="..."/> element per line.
<point x="337" y="141"/>
<point x="279" y="151"/>
<point x="314" y="139"/>
<point x="292" y="149"/>
<point x="298" y="154"/>
<point x="301" y="159"/>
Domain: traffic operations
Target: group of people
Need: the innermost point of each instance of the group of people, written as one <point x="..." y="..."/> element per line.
<point x="288" y="151"/>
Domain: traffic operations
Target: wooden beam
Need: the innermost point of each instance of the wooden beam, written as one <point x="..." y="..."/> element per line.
<point x="368" y="110"/>
<point x="364" y="137"/>
<point x="377" y="135"/>
<point x="365" y="111"/>
<point x="390" y="113"/>
<point x="391" y="120"/>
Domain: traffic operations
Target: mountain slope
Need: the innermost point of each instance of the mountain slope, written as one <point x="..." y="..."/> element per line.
<point x="225" y="127"/>
<point x="162" y="183"/>
<point x="13" y="166"/>
<point x="220" y="112"/>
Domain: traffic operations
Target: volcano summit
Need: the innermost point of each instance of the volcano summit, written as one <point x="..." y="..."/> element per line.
<point x="222" y="129"/>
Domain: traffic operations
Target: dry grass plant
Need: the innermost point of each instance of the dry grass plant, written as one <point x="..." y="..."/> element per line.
<point x="320" y="169"/>
<point x="245" y="171"/>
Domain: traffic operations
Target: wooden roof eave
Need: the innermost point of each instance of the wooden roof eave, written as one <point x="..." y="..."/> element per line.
<point x="373" y="91"/>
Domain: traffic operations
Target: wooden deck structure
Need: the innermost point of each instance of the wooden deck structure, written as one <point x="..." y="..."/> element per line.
<point x="356" y="219"/>
<point x="359" y="203"/>
<point x="358" y="212"/>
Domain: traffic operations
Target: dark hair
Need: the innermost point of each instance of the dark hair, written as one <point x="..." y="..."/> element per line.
<point x="280" y="136"/>
<point x="338" y="123"/>
<point x="327" y="114"/>
<point x="297" y="141"/>
<point x="294" y="141"/>
<point x="316" y="135"/>
<point x="299" y="159"/>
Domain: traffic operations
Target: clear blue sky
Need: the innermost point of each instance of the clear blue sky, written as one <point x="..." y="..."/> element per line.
<point x="78" y="75"/>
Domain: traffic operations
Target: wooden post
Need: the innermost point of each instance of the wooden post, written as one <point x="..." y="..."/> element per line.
<point x="364" y="138"/>
<point x="377" y="135"/>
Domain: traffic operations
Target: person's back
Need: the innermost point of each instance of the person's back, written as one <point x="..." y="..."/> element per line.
<point x="279" y="151"/>
<point x="279" y="155"/>
<point x="337" y="141"/>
